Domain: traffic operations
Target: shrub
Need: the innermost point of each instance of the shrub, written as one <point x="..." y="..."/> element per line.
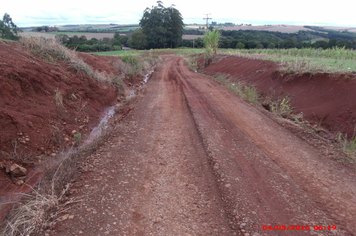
<point x="132" y="60"/>
<point x="53" y="48"/>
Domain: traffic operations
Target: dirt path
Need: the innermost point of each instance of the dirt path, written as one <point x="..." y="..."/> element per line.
<point x="193" y="159"/>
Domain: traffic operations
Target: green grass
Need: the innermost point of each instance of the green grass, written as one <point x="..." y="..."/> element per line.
<point x="325" y="64"/>
<point x="304" y="60"/>
<point x="120" y="53"/>
<point x="7" y="40"/>
<point x="177" y="51"/>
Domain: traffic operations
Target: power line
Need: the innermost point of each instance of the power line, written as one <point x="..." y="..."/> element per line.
<point x="207" y="21"/>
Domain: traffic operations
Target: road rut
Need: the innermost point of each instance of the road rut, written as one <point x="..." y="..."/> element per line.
<point x="194" y="159"/>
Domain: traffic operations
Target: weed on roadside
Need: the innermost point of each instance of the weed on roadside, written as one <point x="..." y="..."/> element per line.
<point x="130" y="66"/>
<point x="38" y="212"/>
<point x="244" y="90"/>
<point x="281" y="107"/>
<point x="347" y="146"/>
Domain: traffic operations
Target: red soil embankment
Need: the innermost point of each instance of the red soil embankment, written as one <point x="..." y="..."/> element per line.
<point x="32" y="120"/>
<point x="328" y="99"/>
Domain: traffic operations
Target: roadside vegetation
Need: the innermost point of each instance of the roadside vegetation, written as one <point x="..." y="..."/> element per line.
<point x="211" y="42"/>
<point x="8" y="29"/>
<point x="304" y="60"/>
<point x="282" y="107"/>
<point x="131" y="66"/>
<point x="48" y="203"/>
<point x="54" y="51"/>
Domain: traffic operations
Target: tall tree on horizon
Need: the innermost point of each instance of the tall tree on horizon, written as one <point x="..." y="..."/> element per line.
<point x="163" y="26"/>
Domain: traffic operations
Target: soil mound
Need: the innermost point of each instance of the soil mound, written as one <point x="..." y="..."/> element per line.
<point x="325" y="99"/>
<point x="42" y="102"/>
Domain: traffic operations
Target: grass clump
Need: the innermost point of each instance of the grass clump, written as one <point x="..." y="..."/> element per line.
<point x="246" y="91"/>
<point x="53" y="51"/>
<point x="38" y="213"/>
<point x="130" y="66"/>
<point x="281" y="107"/>
<point x="348" y="146"/>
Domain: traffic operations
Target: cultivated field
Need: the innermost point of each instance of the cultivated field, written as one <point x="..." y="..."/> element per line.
<point x="70" y="34"/>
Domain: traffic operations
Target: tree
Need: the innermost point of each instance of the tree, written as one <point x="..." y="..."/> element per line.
<point x="8" y="30"/>
<point x="163" y="26"/>
<point x="320" y="44"/>
<point x="138" y="40"/>
<point x="83" y="38"/>
<point x="211" y="42"/>
<point x="271" y="46"/>
<point x="240" y="45"/>
<point x="62" y="38"/>
<point x="260" y="46"/>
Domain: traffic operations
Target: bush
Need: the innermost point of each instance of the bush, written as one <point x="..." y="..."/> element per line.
<point x="132" y="60"/>
<point x="240" y="45"/>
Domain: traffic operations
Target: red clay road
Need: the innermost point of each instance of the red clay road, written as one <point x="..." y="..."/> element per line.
<point x="194" y="159"/>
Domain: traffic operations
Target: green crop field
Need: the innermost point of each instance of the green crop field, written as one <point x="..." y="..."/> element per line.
<point x="134" y="52"/>
<point x="318" y="60"/>
<point x="301" y="60"/>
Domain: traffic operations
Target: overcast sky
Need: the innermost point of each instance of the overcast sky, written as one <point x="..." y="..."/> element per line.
<point x="310" y="12"/>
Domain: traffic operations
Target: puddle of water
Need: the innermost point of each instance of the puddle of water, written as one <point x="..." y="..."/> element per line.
<point x="103" y="124"/>
<point x="145" y="80"/>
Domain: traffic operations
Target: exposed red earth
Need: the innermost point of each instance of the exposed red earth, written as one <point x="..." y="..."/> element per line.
<point x="33" y="126"/>
<point x="194" y="159"/>
<point x="326" y="99"/>
<point x="191" y="158"/>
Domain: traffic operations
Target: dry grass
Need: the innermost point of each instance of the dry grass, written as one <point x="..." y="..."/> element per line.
<point x="52" y="48"/>
<point x="130" y="66"/>
<point x="38" y="213"/>
<point x="58" y="98"/>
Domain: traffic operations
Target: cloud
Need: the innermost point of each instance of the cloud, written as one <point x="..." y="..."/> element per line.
<point x="41" y="12"/>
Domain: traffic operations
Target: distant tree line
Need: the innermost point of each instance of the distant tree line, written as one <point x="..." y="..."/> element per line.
<point x="230" y="39"/>
<point x="334" y="34"/>
<point x="250" y="39"/>
<point x="45" y="29"/>
<point x="82" y="44"/>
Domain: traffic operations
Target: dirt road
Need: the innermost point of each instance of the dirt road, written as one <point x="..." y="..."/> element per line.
<point x="194" y="159"/>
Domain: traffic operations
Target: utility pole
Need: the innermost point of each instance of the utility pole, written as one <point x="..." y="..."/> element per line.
<point x="207" y="21"/>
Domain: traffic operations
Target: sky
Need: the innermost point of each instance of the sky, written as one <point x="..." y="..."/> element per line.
<point x="258" y="12"/>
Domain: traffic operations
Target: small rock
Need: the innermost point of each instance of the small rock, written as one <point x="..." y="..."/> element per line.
<point x="66" y="139"/>
<point x="81" y="127"/>
<point x="65" y="217"/>
<point x="71" y="217"/>
<point x="17" y="171"/>
<point x="27" y="139"/>
<point x="30" y="124"/>
<point x="74" y="131"/>
<point x="53" y="154"/>
<point x="18" y="182"/>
